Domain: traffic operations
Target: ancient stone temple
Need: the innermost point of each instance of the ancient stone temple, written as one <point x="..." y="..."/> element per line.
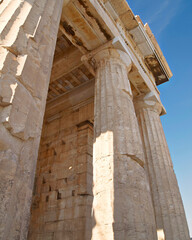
<point x="83" y="155"/>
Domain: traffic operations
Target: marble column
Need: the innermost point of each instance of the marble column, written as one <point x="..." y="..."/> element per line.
<point x="28" y="32"/>
<point x="122" y="206"/>
<point x="169" y="211"/>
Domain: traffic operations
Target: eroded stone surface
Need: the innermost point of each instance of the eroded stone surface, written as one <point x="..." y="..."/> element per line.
<point x="28" y="31"/>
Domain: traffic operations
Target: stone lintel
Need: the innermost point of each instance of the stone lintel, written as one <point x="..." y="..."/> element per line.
<point x="69" y="61"/>
<point x="121" y="12"/>
<point x="71" y="100"/>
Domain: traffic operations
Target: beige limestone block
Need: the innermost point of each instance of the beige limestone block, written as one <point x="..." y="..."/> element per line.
<point x="168" y="206"/>
<point x="28" y="31"/>
<point x="122" y="206"/>
<point x="62" y="199"/>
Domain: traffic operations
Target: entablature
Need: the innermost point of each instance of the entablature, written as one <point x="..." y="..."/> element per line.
<point x="143" y="39"/>
<point x="89" y="25"/>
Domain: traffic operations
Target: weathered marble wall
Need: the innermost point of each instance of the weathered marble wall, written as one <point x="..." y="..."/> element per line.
<point x="28" y="31"/>
<point x="62" y="200"/>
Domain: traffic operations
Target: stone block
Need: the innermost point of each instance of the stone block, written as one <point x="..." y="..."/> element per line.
<point x="67" y="173"/>
<point x="23" y="116"/>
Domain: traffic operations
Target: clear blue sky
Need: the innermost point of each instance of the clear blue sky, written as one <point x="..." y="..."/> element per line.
<point x="171" y="23"/>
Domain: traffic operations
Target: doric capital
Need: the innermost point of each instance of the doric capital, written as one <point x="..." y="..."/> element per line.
<point x="113" y="53"/>
<point x="113" y="65"/>
<point x="108" y="52"/>
<point x="148" y="100"/>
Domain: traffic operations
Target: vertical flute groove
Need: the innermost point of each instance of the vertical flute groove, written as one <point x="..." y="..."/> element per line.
<point x="120" y="180"/>
<point x="169" y="211"/>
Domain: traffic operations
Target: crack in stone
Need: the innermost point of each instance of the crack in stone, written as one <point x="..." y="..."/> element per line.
<point x="107" y="36"/>
<point x="69" y="30"/>
<point x="134" y="158"/>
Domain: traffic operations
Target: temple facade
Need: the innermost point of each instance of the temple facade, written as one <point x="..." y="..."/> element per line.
<point x="83" y="155"/>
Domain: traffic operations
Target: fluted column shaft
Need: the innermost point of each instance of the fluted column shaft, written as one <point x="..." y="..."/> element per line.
<point x="169" y="211"/>
<point x="122" y="207"/>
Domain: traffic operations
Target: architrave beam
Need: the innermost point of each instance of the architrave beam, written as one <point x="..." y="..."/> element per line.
<point x="67" y="63"/>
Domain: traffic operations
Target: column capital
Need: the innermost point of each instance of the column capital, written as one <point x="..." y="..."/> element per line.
<point x="108" y="51"/>
<point x="113" y="53"/>
<point x="149" y="101"/>
<point x="113" y="62"/>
